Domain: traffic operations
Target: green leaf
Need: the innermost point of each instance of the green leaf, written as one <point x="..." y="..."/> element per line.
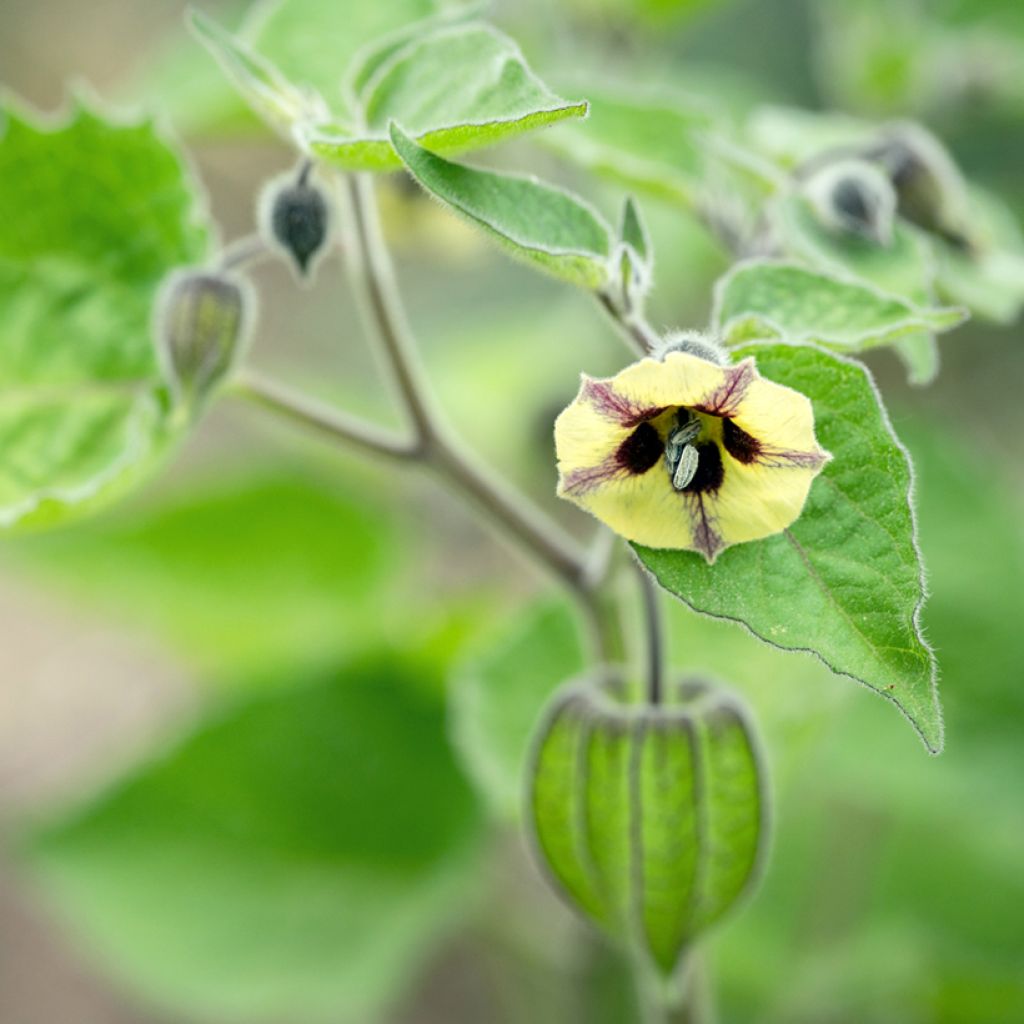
<point x="296" y="856"/>
<point x="845" y="581"/>
<point x="651" y="819"/>
<point x="182" y="568"/>
<point x="633" y="231"/>
<point x="93" y="214"/>
<point x="991" y="281"/>
<point x="814" y="305"/>
<point x="260" y="82"/>
<point x="316" y="42"/>
<point x="904" y="268"/>
<point x="645" y="144"/>
<point x="458" y="89"/>
<point x="497" y="694"/>
<point x="538" y="223"/>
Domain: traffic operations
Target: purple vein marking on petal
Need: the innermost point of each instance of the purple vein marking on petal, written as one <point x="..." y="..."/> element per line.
<point x="726" y="398"/>
<point x="585" y="479"/>
<point x="614" y="406"/>
<point x="778" y="458"/>
<point x="706" y="539"/>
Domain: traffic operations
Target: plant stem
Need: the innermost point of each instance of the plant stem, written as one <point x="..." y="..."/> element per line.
<point x="243" y="252"/>
<point x="641" y="337"/>
<point x="655" y="639"/>
<point x="320" y="417"/>
<point x="374" y="280"/>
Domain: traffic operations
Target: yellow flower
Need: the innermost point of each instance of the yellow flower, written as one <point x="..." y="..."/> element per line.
<point x="680" y="452"/>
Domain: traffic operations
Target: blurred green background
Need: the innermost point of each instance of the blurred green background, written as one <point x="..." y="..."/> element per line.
<point x="248" y="701"/>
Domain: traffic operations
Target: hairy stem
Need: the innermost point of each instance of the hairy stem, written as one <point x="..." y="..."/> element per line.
<point x="632" y="327"/>
<point x="655" y="638"/>
<point x="322" y="418"/>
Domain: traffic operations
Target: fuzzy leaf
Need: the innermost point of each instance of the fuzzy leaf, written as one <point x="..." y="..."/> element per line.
<point x="317" y="42"/>
<point x="92" y="215"/>
<point x="292" y="858"/>
<point x="538" y="223"/>
<point x="845" y="581"/>
<point x="281" y="103"/>
<point x="905" y="268"/>
<point x="652" y="146"/>
<point x="458" y="89"/>
<point x="815" y="305"/>
<point x="498" y="693"/>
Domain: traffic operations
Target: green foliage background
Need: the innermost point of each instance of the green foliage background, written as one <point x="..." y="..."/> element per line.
<point x="247" y="873"/>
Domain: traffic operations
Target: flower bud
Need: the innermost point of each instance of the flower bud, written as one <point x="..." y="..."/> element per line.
<point x="853" y="197"/>
<point x="696" y="343"/>
<point x="295" y="218"/>
<point x="930" y="190"/>
<point x="650" y="819"/>
<point x="200" y="330"/>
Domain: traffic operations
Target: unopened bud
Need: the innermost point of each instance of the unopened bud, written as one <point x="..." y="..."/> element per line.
<point x="853" y="197"/>
<point x="200" y="330"/>
<point x="650" y="819"/>
<point x="930" y="189"/>
<point x="295" y="218"/>
<point x="696" y="343"/>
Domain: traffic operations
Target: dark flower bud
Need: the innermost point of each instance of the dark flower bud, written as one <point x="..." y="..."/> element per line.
<point x="651" y="820"/>
<point x="295" y="218"/>
<point x="853" y="197"/>
<point x="203" y="321"/>
<point x="930" y="190"/>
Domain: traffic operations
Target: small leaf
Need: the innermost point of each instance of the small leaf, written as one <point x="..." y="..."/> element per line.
<point x="316" y="42"/>
<point x="458" y="89"/>
<point x="651" y="819"/>
<point x="93" y="215"/>
<point x="633" y="231"/>
<point x="538" y="223"/>
<point x="266" y="89"/>
<point x="294" y="857"/>
<point x="814" y="305"/>
<point x="845" y="581"/>
<point x="497" y="695"/>
<point x="904" y="268"/>
<point x="645" y="144"/>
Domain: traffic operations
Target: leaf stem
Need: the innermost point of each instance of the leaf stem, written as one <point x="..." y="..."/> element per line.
<point x="243" y="252"/>
<point x="632" y="327"/>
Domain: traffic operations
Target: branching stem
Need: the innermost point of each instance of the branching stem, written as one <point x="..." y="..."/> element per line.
<point x="432" y="444"/>
<point x="633" y="328"/>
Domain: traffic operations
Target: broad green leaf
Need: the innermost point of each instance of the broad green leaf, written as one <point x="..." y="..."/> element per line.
<point x="845" y="581"/>
<point x="93" y="214"/>
<point x="458" y="89"/>
<point x="905" y="268"/>
<point x="316" y="42"/>
<point x="298" y="856"/>
<point x="538" y="223"/>
<point x="252" y="568"/>
<point x="650" y="819"/>
<point x="815" y="305"/>
<point x="789" y="135"/>
<point x="644" y="143"/>
<point x="497" y="694"/>
<point x="264" y="87"/>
